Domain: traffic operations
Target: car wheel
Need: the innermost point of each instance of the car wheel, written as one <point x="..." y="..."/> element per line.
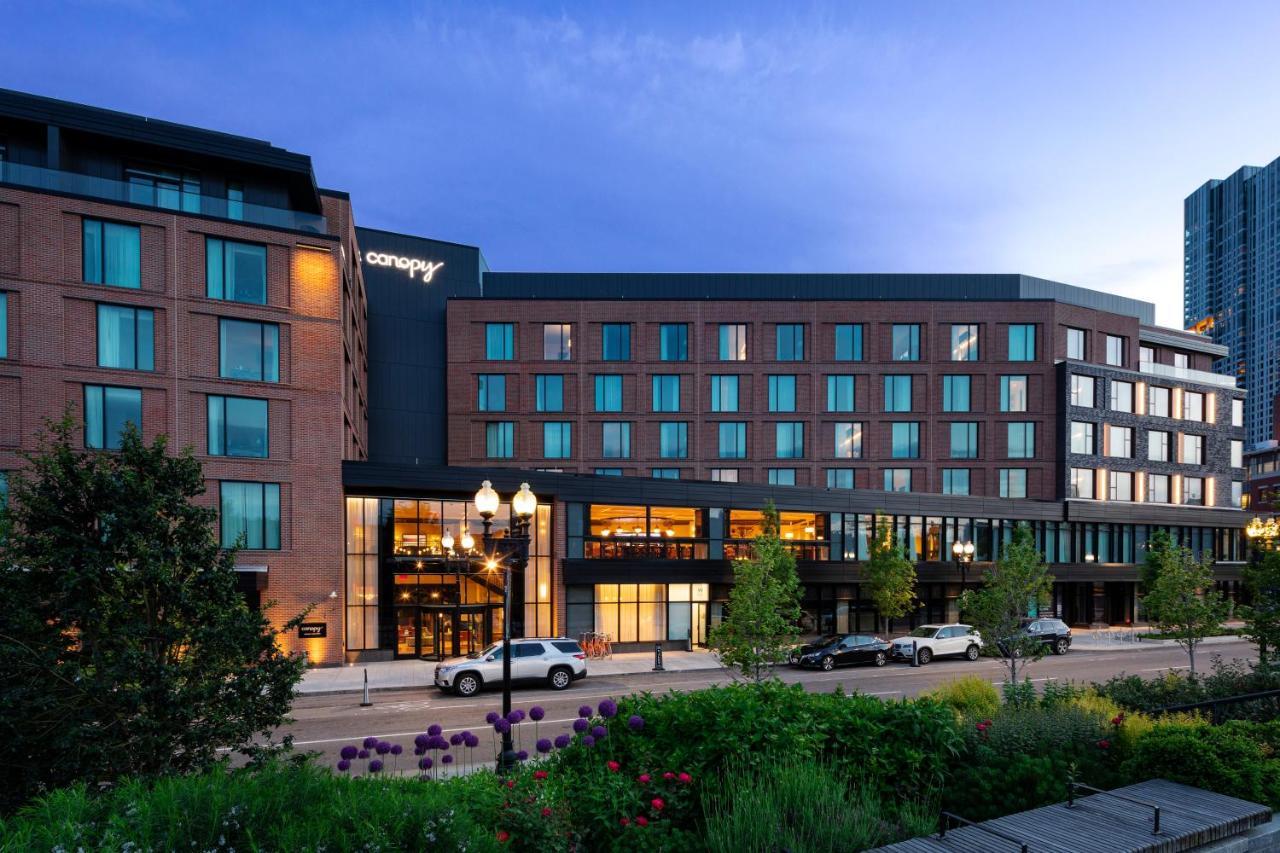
<point x="972" y="652"/>
<point x="881" y="658"/>
<point x="560" y="678"/>
<point x="1060" y="647"/>
<point x="925" y="655"/>
<point x="828" y="663"/>
<point x="467" y="684"/>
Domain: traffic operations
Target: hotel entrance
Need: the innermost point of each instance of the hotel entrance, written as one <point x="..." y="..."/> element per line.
<point x="442" y="615"/>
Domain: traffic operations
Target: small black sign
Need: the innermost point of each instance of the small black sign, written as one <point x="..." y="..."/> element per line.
<point x="313" y="630"/>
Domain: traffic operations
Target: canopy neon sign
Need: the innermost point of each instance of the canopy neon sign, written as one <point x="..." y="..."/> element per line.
<point x="412" y="266"/>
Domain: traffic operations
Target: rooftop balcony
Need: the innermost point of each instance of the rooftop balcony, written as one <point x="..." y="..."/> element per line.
<point x="72" y="183"/>
<point x="1186" y="374"/>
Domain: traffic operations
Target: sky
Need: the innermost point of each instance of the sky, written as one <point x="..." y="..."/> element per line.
<point x="1052" y="139"/>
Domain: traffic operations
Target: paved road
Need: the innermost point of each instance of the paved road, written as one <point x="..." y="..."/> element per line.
<point x="325" y="723"/>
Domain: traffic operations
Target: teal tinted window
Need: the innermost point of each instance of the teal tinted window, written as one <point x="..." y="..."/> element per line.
<point x="840" y="394"/>
<point x="4" y="325"/>
<point x="733" y="441"/>
<point x="673" y="342"/>
<point x="839" y="478"/>
<point x="733" y="342"/>
<point x="782" y="476"/>
<point x="849" y="342"/>
<point x="112" y="253"/>
<point x="782" y="393"/>
<point x="906" y="440"/>
<point x="238" y="426"/>
<point x="251" y="511"/>
<point x="499" y="341"/>
<point x="236" y="272"/>
<point x="673" y="440"/>
<point x="790" y="439"/>
<point x="557" y="440"/>
<point x="248" y="350"/>
<point x="1022" y="440"/>
<point x="550" y="393"/>
<point x="608" y="393"/>
<point x="790" y="342"/>
<point x="666" y="473"/>
<point x="107" y="410"/>
<point x="724" y="393"/>
<point x="666" y="393"/>
<point x="499" y="439"/>
<point x="1013" y="482"/>
<point x="1022" y="342"/>
<point x="616" y="440"/>
<point x="1013" y="393"/>
<point x="955" y="481"/>
<point x="897" y="393"/>
<point x="616" y="341"/>
<point x="906" y="342"/>
<point x="126" y="337"/>
<point x="964" y="441"/>
<point x="491" y="392"/>
<point x="955" y="393"/>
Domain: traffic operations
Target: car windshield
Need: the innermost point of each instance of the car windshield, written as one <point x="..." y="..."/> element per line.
<point x="495" y="649"/>
<point x="924" y="631"/>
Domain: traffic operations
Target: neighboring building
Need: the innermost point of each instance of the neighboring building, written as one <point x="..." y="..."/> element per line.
<point x="1262" y="493"/>
<point x="200" y="284"/>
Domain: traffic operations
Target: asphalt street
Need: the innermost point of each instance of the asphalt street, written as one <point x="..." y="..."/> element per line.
<point x="325" y="723"/>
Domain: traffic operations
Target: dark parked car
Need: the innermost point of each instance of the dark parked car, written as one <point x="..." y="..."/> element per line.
<point x="1054" y="634"/>
<point x="843" y="650"/>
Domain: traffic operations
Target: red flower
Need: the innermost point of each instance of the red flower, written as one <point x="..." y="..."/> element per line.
<point x="641" y="820"/>
<point x="511" y="783"/>
<point x="1118" y="719"/>
<point x="546" y="812"/>
<point x="657" y="804"/>
<point x="625" y="822"/>
<point x="539" y="775"/>
<point x="614" y="766"/>
<point x="1104" y="744"/>
<point x="668" y="775"/>
<point x="503" y="836"/>
<point x="643" y="778"/>
<point x="685" y="778"/>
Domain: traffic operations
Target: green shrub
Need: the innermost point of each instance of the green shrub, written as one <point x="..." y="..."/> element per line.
<point x="1134" y="693"/>
<point x="1236" y="758"/>
<point x="972" y="697"/>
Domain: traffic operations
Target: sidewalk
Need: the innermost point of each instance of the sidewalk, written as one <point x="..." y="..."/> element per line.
<point x="404" y="674"/>
<point x="1084" y="642"/>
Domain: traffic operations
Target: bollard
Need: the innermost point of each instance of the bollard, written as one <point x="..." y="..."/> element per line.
<point x="915" y="654"/>
<point x="364" y="702"/>
<point x="657" y="658"/>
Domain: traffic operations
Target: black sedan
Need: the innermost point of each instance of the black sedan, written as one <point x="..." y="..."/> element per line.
<point x="1053" y="634"/>
<point x="843" y="650"/>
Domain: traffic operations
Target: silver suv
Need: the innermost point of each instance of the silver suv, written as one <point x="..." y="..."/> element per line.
<point x="554" y="661"/>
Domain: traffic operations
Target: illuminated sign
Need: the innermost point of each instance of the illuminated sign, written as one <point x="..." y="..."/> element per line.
<point x="313" y="630"/>
<point x="412" y="266"/>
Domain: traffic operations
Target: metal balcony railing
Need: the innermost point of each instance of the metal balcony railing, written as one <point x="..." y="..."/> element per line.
<point x="1168" y="371"/>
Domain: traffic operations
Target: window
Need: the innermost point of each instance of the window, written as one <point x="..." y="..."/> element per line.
<point x="1013" y="482"/>
<point x="106" y="411"/>
<point x="557" y="439"/>
<point x="1237" y="494"/>
<point x="849" y="342"/>
<point x="840" y="394"/>
<point x="790" y="439"/>
<point x="848" y="441"/>
<point x="782" y="476"/>
<point x="1119" y="441"/>
<point x="4" y="325"/>
<point x="1076" y="344"/>
<point x="499" y="341"/>
<point x="1181" y="361"/>
<point x="673" y="342"/>
<point x="733" y="441"/>
<point x="724" y="393"/>
<point x="616" y="440"/>
<point x="499" y="439"/>
<point x="897" y="479"/>
<point x="906" y="440"/>
<point x="1237" y="453"/>
<point x="608" y="472"/>
<point x="905" y="342"/>
<point x="897" y="393"/>
<point x="608" y="393"/>
<point x="839" y="478"/>
<point x="1192" y="449"/>
<point x="1082" y="438"/>
<point x="1022" y="440"/>
<point x="1081" y="483"/>
<point x="1192" y="406"/>
<point x="1237" y="413"/>
<point x="790" y="342"/>
<point x="1082" y="391"/>
<point x="165" y="188"/>
<point x="251" y="511"/>
<point x="615" y="342"/>
<point x="782" y="393"/>
<point x="235" y="201"/>
<point x="1157" y="401"/>
<point x="665" y="473"/>
<point x="238" y="426"/>
<point x="955" y="481"/>
<point x="964" y="441"/>
<point x="673" y="440"/>
<point x="1158" y="446"/>
<point x="549" y="393"/>
<point x="1193" y="491"/>
<point x="1120" y="486"/>
<point x="724" y="475"/>
<point x="1115" y="351"/>
<point x="733" y="342"/>
<point x="1158" y="488"/>
<point x="1022" y="342"/>
<point x="1013" y="393"/>
<point x="126" y="337"/>
<point x="1146" y="355"/>
<point x="557" y="341"/>
<point x="955" y="393"/>
<point x="248" y="350"/>
<point x="112" y="253"/>
<point x="236" y="272"/>
<point x="666" y="393"/>
<point x="964" y="342"/>
<point x="491" y="392"/>
<point x="1121" y="396"/>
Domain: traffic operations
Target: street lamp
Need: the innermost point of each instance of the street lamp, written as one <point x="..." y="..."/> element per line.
<point x="963" y="553"/>
<point x="525" y="504"/>
<point x="1262" y="536"/>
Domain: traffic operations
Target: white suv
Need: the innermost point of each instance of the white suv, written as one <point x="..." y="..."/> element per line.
<point x="933" y="641"/>
<point x="554" y="661"/>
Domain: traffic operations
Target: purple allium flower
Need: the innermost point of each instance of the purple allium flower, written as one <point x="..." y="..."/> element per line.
<point x="513" y="717"/>
<point x="502" y="726"/>
<point x="448" y="759"/>
<point x="599" y="732"/>
<point x="364" y="753"/>
<point x="588" y="740"/>
<point x="636" y="722"/>
<point x="441" y="743"/>
<point x="370" y="742"/>
<point x="563" y="741"/>
<point x="608" y="708"/>
<point x="396" y="749"/>
<point x="344" y="765"/>
<point x="466" y="734"/>
<point x="375" y="765"/>
<point x="383" y="747"/>
<point x="520" y="713"/>
<point x="491" y="717"/>
<point x="543" y="745"/>
<point x="585" y="711"/>
<point x="580" y="725"/>
<point x="421" y="740"/>
<point x="473" y="741"/>
<point x="434" y="729"/>
<point x="456" y="739"/>
<point x="536" y="713"/>
<point x="348" y="752"/>
<point x="522" y="755"/>
<point x="425" y="763"/>
<point x="419" y="750"/>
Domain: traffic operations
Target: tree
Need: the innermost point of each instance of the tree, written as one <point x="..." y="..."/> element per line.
<point x="1018" y="581"/>
<point x="1262" y="614"/>
<point x="889" y="577"/>
<point x="125" y="647"/>
<point x="1161" y="551"/>
<point x="1184" y="603"/>
<point x="764" y="605"/>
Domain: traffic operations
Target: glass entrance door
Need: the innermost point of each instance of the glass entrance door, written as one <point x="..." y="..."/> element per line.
<point x="435" y="633"/>
<point x="698" y="627"/>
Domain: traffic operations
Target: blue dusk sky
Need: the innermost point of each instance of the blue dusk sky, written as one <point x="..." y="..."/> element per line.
<point x="1053" y="139"/>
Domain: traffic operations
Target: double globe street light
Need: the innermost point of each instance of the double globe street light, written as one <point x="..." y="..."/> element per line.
<point x="963" y="553"/>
